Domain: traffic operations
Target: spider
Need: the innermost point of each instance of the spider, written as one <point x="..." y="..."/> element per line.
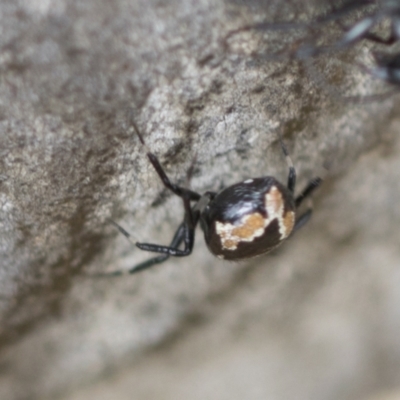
<point x="389" y="9"/>
<point x="244" y="220"/>
<point x="386" y="66"/>
<point x="303" y="48"/>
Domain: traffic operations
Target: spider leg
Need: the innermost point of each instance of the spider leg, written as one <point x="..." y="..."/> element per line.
<point x="394" y="31"/>
<point x="188" y="231"/>
<point x="291" y="183"/>
<point x="184" y="234"/>
<point x="176" y="241"/>
<point x="302" y="220"/>
<point x="377" y="39"/>
<point x="306" y="215"/>
<point x="312" y="185"/>
<point x="121" y="230"/>
<point x="191" y="215"/>
<point x="179" y="191"/>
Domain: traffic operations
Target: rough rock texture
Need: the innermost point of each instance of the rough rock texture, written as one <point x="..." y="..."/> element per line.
<point x="318" y="319"/>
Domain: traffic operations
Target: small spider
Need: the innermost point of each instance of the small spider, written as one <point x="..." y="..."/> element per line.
<point x="303" y="48"/>
<point x="386" y="66"/>
<point x="389" y="9"/>
<point x="362" y="29"/>
<point x="242" y="221"/>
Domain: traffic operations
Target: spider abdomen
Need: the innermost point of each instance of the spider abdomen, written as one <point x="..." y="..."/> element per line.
<point x="248" y="219"/>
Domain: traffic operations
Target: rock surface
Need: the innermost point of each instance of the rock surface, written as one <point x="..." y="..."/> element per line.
<point x="317" y="319"/>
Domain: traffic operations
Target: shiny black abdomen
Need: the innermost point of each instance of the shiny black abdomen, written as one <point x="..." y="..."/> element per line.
<point x="238" y="203"/>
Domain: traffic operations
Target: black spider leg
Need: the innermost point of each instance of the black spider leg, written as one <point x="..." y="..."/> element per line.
<point x="291" y="182"/>
<point x="303" y="218"/>
<point x="176" y="242"/>
<point x="179" y="191"/>
<point x="191" y="217"/>
<point x="393" y="38"/>
<point x="188" y="229"/>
